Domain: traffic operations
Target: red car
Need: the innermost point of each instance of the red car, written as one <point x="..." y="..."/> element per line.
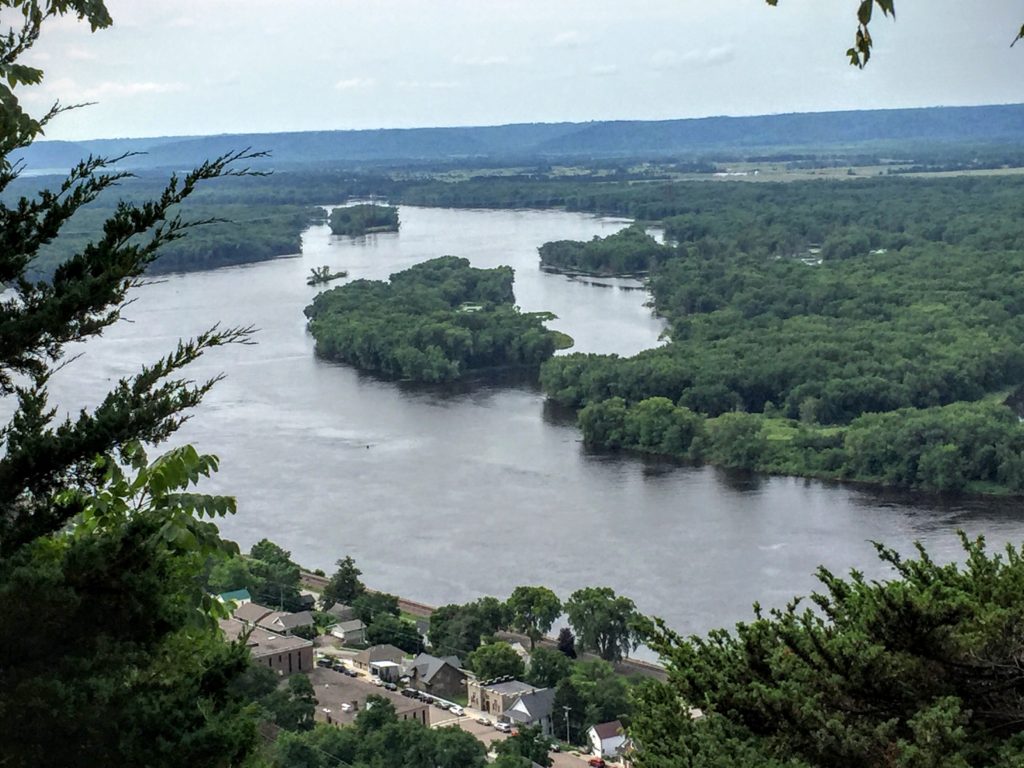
<point x="596" y="762"/>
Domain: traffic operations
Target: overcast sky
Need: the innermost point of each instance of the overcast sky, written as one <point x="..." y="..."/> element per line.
<point x="229" y="66"/>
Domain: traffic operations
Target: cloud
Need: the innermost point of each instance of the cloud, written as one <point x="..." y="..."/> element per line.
<point x="604" y="70"/>
<point x="76" y="53"/>
<point x="708" y="57"/>
<point x="568" y="39"/>
<point x="184" y="22"/>
<point x="431" y="84"/>
<point x="111" y="89"/>
<point x="353" y="83"/>
<point x="480" y="61"/>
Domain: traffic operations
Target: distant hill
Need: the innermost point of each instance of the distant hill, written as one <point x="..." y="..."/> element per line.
<point x="564" y="141"/>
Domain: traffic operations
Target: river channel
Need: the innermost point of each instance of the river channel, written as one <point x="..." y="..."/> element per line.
<point x="443" y="495"/>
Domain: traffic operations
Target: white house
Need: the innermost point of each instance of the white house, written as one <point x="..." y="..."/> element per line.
<point x="350" y="632"/>
<point x="606" y="739"/>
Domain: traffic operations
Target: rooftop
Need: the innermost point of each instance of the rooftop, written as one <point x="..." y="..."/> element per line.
<point x="608" y="730"/>
<point x="333" y="689"/>
<point x="261" y="642"/>
<point x="509" y="688"/>
<point x="251" y="612"/>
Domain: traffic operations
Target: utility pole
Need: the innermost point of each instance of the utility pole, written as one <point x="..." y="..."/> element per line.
<point x="567" y="709"/>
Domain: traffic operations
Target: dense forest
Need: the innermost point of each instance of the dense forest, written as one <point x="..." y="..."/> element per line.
<point x="831" y="329"/>
<point x="630" y="251"/>
<point x="363" y="219"/>
<point x="433" y="322"/>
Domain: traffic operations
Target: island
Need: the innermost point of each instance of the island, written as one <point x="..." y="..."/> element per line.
<point x="434" y="322"/>
<point x="628" y="252"/>
<point x="363" y="219"/>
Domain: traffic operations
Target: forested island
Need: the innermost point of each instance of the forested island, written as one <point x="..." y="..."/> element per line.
<point x="863" y="335"/>
<point x="628" y="252"/>
<point x="363" y="219"/>
<point x="434" y="322"/>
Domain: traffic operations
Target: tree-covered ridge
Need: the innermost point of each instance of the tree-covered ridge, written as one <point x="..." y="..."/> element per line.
<point x="363" y="219"/>
<point x="919" y="670"/>
<point x="236" y="234"/>
<point x="629" y="251"/>
<point x="433" y="322"/>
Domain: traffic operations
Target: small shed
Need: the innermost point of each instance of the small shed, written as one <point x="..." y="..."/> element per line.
<point x="606" y="739"/>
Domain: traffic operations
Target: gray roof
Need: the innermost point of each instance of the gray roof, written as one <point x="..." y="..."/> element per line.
<point x="427" y="666"/>
<point x="251" y="612"/>
<point x="350" y="626"/>
<point x="287" y="620"/>
<point x="510" y="688"/>
<point x="259" y="641"/>
<point x="385" y="652"/>
<point x="538" y="703"/>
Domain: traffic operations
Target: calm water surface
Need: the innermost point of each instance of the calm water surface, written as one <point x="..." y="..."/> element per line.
<point x="443" y="495"/>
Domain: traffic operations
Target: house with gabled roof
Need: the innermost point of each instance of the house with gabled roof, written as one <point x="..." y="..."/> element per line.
<point x="533" y="709"/>
<point x="285" y="623"/>
<point x="495" y="696"/>
<point x="441" y="677"/>
<point x="606" y="739"/>
<point x="237" y="596"/>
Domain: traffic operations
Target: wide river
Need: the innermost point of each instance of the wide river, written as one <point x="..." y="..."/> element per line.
<point x="443" y="495"/>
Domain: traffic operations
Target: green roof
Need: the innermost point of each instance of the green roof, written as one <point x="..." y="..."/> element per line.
<point x="238" y="594"/>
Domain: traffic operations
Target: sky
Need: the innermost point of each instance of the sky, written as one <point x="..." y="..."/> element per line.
<point x="188" y="67"/>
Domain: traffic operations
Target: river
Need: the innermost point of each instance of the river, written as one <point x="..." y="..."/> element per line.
<point x="445" y="494"/>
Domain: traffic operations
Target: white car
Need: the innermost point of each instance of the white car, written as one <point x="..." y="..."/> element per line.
<point x="455" y="709"/>
<point x="346" y="707"/>
<point x="377" y="681"/>
<point x="503" y="727"/>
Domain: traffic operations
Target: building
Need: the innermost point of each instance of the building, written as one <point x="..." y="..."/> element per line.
<point x="342" y="698"/>
<point x="238" y="596"/>
<point x="350" y="632"/>
<point x="606" y="739"/>
<point x="439" y="677"/>
<point x="495" y="696"/>
<point x="285" y="623"/>
<point x="388" y="671"/>
<point x="533" y="709"/>
<point x="251" y="613"/>
<point x="363" y="659"/>
<point x="280" y="653"/>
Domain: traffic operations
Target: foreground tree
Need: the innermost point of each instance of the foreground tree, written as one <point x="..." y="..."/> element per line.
<point x="533" y="610"/>
<point x="110" y="652"/>
<point x="860" y="52"/>
<point x="922" y="670"/>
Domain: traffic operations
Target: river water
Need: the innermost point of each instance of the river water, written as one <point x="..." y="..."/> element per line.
<point x="445" y="494"/>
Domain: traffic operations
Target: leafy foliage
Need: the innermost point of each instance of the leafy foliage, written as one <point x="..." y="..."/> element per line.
<point x="434" y="322"/>
<point x="529" y="743"/>
<point x="533" y="610"/>
<point x="363" y="219"/>
<point x="629" y="251"/>
<point x="918" y="670"/>
<point x="344" y="586"/>
<point x="495" y="660"/>
<point x="604" y="622"/>
<point x="377" y="739"/>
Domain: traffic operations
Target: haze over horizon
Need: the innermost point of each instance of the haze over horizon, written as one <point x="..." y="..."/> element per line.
<point x="205" y="68"/>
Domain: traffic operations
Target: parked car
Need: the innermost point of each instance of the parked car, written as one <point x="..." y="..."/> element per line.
<point x="390" y="686"/>
<point x="483" y="721"/>
<point x="377" y="681"/>
<point x="346" y="707"/>
<point x="555" y="747"/>
<point x="503" y="727"/>
<point x="596" y="762"/>
<point x="457" y="710"/>
<point x="323" y="661"/>
<point x="409" y="693"/>
<point x="440" y="704"/>
<point x="351" y="672"/>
